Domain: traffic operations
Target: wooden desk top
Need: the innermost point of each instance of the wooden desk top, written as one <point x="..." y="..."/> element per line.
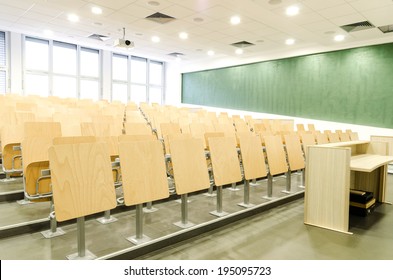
<point x="368" y="162"/>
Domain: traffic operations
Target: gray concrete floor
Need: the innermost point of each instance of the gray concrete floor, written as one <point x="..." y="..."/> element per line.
<point x="278" y="233"/>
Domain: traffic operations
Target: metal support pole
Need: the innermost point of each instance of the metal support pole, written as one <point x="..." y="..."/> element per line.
<point x="139" y="237"/>
<point x="254" y="183"/>
<point x="303" y="185"/>
<point x="269" y="187"/>
<point x="219" y="212"/>
<point x="210" y="191"/>
<point x="54" y="230"/>
<point x="149" y="208"/>
<point x="246" y="202"/>
<point x="288" y="185"/>
<point x="234" y="188"/>
<point x="83" y="253"/>
<point x="107" y="219"/>
<point x="184" y="223"/>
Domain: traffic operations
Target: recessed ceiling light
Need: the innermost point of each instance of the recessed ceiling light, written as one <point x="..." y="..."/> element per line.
<point x="339" y="38"/>
<point x="183" y="35"/>
<point x="290" y="41"/>
<point x="211" y="53"/>
<point x="198" y="19"/>
<point x="73" y="18"/>
<point x="153" y="3"/>
<point x="235" y="20"/>
<point x="96" y="10"/>
<point x="239" y="51"/>
<point x="274" y="2"/>
<point x="292" y="10"/>
<point x="155" y="39"/>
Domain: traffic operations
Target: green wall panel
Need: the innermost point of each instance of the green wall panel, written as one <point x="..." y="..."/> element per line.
<point x="351" y="86"/>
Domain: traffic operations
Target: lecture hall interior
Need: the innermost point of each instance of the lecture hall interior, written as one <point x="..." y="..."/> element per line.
<point x="196" y="130"/>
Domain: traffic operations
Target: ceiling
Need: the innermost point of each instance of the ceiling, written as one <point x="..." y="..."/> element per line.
<point x="264" y="24"/>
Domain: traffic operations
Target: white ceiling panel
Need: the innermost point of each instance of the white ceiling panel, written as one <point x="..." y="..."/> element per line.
<point x="381" y="16"/>
<point x="337" y="11"/>
<point x="366" y="5"/>
<point x="348" y="19"/>
<point x="322" y="4"/>
<point x="263" y="22"/>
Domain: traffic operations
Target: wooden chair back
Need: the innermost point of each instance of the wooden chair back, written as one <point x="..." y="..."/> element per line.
<point x="225" y="161"/>
<point x="275" y="155"/>
<point x="253" y="159"/>
<point x="143" y="171"/>
<point x="189" y="165"/>
<point x="81" y="180"/>
<point x="295" y="156"/>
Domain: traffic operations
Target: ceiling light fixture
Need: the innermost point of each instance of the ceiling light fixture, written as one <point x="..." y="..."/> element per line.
<point x="339" y="38"/>
<point x="73" y="18"/>
<point x="290" y="41"/>
<point x="235" y="20"/>
<point x="239" y="51"/>
<point x="183" y="35"/>
<point x="96" y="10"/>
<point x="155" y="39"/>
<point x="292" y="10"/>
<point x="210" y="53"/>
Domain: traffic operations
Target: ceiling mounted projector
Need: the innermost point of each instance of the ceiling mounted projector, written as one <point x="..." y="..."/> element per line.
<point x="124" y="43"/>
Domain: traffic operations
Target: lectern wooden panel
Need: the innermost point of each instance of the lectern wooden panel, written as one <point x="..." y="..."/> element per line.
<point x="225" y="161"/>
<point x="189" y="165"/>
<point x="82" y="180"/>
<point x="327" y="188"/>
<point x="253" y="158"/>
<point x="143" y="171"/>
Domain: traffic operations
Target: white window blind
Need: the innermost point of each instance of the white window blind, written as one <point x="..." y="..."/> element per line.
<point x="3" y="76"/>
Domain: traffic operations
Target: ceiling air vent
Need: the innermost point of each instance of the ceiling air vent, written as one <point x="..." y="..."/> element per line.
<point x="386" y="28"/>
<point x="242" y="44"/>
<point x="363" y="25"/>
<point x="98" y="37"/>
<point x="160" y="18"/>
<point x="176" y="54"/>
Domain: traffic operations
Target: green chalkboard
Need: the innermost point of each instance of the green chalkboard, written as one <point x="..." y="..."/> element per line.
<point x="351" y="86"/>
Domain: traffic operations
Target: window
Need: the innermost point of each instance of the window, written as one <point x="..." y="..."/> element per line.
<point x="120" y="78"/>
<point x="61" y="69"/>
<point x="37" y="67"/>
<point x="90" y="74"/>
<point x="3" y="64"/>
<point x="137" y="79"/>
<point x="64" y="70"/>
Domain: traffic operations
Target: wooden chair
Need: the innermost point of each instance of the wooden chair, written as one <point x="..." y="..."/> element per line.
<point x="308" y="139"/>
<point x="149" y="137"/>
<point x="95" y="129"/>
<point x="296" y="159"/>
<point x="344" y="137"/>
<point x="144" y="178"/>
<point x="253" y="162"/>
<point x="225" y="165"/>
<point x="190" y="171"/>
<point x="354" y="136"/>
<point x="300" y="127"/>
<point x="82" y="185"/>
<point x="137" y="128"/>
<point x="311" y="127"/>
<point x="276" y="161"/>
<point x="11" y="138"/>
<point x="322" y="138"/>
<point x="333" y="137"/>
